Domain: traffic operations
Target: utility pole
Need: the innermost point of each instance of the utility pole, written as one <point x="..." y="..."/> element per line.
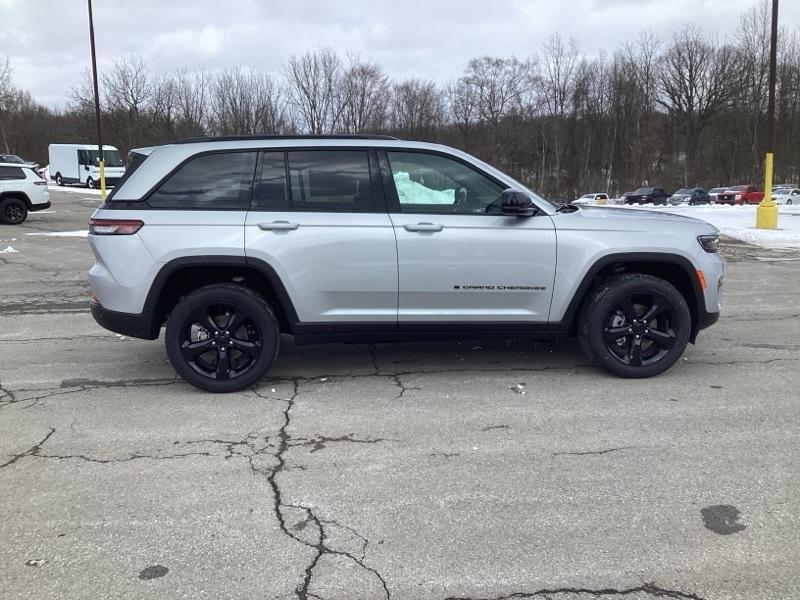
<point x="101" y="162"/>
<point x="767" y="211"/>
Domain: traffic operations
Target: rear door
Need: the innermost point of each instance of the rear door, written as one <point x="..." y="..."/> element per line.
<point x="460" y="260"/>
<point x="319" y="221"/>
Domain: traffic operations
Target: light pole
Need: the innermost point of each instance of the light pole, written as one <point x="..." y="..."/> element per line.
<point x="101" y="162"/>
<point x="767" y="211"/>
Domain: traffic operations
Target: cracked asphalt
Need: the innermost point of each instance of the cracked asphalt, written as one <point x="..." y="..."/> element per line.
<point x="472" y="470"/>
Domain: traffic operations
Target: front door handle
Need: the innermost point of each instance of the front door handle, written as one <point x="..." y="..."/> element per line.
<point x="424" y="227"/>
<point x="278" y="226"/>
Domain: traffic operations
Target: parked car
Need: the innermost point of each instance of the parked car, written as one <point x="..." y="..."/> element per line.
<point x="714" y="192"/>
<point x="233" y="241"/>
<point x="647" y="195"/>
<point x="22" y="190"/>
<point x="690" y="196"/>
<point x="741" y="194"/>
<point x="16" y="160"/>
<point x="786" y="196"/>
<point x="592" y="199"/>
<point x="79" y="163"/>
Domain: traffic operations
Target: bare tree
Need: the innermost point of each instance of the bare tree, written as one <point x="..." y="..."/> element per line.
<point x="416" y="108"/>
<point x="245" y="102"/>
<point x="560" y="61"/>
<point x="695" y="81"/>
<point x="362" y="90"/>
<point x="6" y="92"/>
<point x="314" y="90"/>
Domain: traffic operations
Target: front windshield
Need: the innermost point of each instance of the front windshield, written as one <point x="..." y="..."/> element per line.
<point x="13" y="158"/>
<point x="717" y="190"/>
<point x="111" y="157"/>
<point x="684" y="192"/>
<point x="643" y="191"/>
<point x="588" y="196"/>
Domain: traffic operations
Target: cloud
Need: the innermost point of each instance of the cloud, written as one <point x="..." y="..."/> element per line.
<point x="48" y="41"/>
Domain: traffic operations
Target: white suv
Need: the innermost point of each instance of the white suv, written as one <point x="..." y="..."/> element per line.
<point x="233" y="241"/>
<point x="22" y="190"/>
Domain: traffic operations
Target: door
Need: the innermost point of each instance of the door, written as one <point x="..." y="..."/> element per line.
<point x="460" y="260"/>
<point x="318" y="219"/>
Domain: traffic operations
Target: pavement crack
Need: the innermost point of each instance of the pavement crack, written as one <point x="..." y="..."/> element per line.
<point x="320" y="544"/>
<point x="121" y="460"/>
<point x="594" y="452"/>
<point x="320" y="442"/>
<point x="32" y="451"/>
<point x="650" y="589"/>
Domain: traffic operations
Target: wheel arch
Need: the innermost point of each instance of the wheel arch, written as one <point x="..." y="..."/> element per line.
<point x="674" y="268"/>
<point x="19" y="196"/>
<point x="184" y="275"/>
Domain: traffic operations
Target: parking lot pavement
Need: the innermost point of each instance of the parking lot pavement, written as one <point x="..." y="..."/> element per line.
<point x="422" y="471"/>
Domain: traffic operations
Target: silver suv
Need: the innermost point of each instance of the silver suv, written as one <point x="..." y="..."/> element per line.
<point x="233" y="241"/>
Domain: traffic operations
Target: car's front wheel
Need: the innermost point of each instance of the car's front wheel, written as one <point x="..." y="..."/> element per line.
<point x="90" y="183"/>
<point x="13" y="211"/>
<point x="634" y="325"/>
<point x="222" y="338"/>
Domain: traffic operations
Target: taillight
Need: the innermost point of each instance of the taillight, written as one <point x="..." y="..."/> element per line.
<point x="42" y="182"/>
<point x="114" y="226"/>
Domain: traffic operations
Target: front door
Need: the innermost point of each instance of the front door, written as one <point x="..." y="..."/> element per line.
<point x="460" y="260"/>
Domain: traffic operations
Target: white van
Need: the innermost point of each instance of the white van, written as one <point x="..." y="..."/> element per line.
<point x="78" y="163"/>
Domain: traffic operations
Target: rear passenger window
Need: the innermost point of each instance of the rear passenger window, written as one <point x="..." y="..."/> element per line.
<point x="213" y="181"/>
<point x="11" y="173"/>
<point x="270" y="192"/>
<point x="330" y="180"/>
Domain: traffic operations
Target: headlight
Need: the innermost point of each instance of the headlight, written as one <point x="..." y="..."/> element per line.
<point x="710" y="243"/>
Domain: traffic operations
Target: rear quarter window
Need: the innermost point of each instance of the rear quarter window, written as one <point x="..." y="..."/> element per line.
<point x="220" y="181"/>
<point x="11" y="173"/>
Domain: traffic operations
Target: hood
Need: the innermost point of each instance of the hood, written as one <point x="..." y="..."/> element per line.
<point x="625" y="219"/>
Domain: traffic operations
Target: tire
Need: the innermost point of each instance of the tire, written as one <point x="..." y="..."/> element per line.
<point x="789" y="202"/>
<point x="616" y="306"/>
<point x="59" y="180"/>
<point x="198" y="338"/>
<point x="13" y="211"/>
<point x="90" y="183"/>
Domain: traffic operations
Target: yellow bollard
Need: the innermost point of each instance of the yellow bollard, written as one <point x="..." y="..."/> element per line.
<point x="767" y="210"/>
<point x="102" y="180"/>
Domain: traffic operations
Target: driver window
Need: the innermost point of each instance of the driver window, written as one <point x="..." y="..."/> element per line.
<point x="433" y="184"/>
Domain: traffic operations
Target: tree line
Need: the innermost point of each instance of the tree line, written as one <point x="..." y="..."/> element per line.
<point x="684" y="111"/>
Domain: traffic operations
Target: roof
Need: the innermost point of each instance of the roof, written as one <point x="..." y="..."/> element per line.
<point x="236" y="138"/>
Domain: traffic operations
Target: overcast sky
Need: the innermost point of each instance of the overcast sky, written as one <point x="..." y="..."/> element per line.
<point x="47" y="40"/>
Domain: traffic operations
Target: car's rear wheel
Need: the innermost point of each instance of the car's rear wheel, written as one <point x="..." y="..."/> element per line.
<point x="222" y="338"/>
<point x="59" y="180"/>
<point x="90" y="183"/>
<point x="788" y="202"/>
<point x="13" y="211"/>
<point x="634" y="325"/>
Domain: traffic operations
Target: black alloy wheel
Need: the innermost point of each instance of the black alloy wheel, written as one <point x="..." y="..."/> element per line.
<point x="639" y="329"/>
<point x="222" y="338"/>
<point x="634" y="325"/>
<point x="13" y="211"/>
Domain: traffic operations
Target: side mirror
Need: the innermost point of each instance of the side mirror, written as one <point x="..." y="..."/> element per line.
<point x="517" y="204"/>
<point x="85" y="167"/>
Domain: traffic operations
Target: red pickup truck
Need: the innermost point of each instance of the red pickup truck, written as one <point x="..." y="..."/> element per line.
<point x="741" y="194"/>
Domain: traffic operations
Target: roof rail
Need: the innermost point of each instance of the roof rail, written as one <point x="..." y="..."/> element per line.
<point x="236" y="138"/>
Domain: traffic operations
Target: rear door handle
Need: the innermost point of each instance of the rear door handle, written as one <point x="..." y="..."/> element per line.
<point x="426" y="227"/>
<point x="278" y="226"/>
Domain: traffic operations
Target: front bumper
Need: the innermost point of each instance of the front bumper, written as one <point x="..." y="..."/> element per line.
<point x="134" y="325"/>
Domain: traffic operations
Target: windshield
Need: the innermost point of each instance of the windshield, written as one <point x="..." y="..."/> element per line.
<point x="738" y="188"/>
<point x="111" y="157"/>
<point x="12" y="158"/>
<point x="684" y="192"/>
<point x="717" y="190"/>
<point x="643" y="191"/>
<point x="588" y="196"/>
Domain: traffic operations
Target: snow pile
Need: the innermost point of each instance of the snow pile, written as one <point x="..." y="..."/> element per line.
<point x="740" y="222"/>
<point x="411" y="192"/>
<point x="9" y="250"/>
<point x="78" y="233"/>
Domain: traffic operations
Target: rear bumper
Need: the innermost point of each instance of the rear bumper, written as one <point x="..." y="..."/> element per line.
<point x="134" y="325"/>
<point x="35" y="207"/>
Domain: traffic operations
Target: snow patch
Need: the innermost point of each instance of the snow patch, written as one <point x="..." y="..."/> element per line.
<point x="9" y="250"/>
<point x="79" y="233"/>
